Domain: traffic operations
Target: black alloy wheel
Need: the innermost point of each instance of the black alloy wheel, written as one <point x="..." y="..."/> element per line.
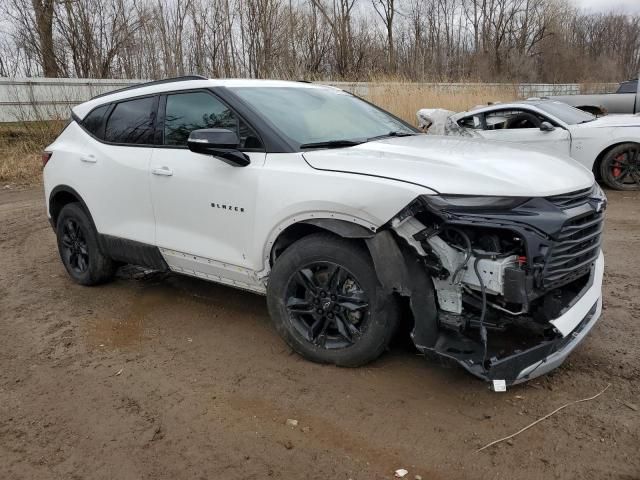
<point x="620" y="168"/>
<point x="74" y="246"/>
<point x="327" y="306"/>
<point x="326" y="302"/>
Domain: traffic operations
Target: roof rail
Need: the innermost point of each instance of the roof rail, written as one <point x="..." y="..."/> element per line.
<point x="154" y="82"/>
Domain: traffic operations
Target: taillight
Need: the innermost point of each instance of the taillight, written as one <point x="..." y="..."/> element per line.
<point x="46" y="156"/>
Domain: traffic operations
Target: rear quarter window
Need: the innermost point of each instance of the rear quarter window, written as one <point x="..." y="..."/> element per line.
<point x="94" y="122"/>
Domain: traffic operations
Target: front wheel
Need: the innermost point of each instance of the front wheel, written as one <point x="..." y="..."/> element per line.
<point x="326" y="302"/>
<point x="620" y="168"/>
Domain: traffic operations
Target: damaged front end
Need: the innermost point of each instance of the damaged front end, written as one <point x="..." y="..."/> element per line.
<point x="505" y="286"/>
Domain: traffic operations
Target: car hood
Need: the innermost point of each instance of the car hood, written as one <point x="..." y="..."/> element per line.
<point x="613" y="121"/>
<point x="458" y="166"/>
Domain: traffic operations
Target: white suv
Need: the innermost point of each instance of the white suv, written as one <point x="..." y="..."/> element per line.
<point x="346" y="217"/>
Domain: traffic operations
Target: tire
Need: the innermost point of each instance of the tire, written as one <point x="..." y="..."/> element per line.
<point x="78" y="247"/>
<point x="620" y="167"/>
<point x="325" y="300"/>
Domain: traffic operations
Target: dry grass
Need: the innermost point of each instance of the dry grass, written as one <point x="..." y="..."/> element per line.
<point x="405" y="99"/>
<point x="21" y="143"/>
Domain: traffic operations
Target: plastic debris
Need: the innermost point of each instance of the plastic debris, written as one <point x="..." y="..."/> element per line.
<point x="499" y="386"/>
<point x="292" y="422"/>
<point x="401" y="472"/>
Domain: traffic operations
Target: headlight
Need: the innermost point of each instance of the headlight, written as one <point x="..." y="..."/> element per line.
<point x="473" y="202"/>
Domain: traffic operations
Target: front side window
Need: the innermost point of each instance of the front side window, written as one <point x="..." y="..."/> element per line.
<point x="473" y="122"/>
<point x="132" y="122"/>
<point x="308" y="115"/>
<point x="190" y="111"/>
<point x="512" y="119"/>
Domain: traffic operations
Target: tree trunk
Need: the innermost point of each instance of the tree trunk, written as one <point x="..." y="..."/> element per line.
<point x="44" y="24"/>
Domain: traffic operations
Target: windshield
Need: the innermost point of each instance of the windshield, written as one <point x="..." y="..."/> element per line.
<point x="568" y="114"/>
<point x="316" y="115"/>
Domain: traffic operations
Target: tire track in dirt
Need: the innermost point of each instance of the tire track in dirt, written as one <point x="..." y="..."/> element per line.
<point x="206" y="386"/>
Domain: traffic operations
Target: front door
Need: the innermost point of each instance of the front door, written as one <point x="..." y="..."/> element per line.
<point x="204" y="207"/>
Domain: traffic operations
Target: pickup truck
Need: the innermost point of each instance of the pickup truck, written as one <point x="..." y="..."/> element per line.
<point x="624" y="100"/>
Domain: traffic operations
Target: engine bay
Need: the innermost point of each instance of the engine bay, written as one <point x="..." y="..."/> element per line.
<point x="490" y="275"/>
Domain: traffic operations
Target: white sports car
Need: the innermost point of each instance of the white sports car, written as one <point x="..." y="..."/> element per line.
<point x="609" y="146"/>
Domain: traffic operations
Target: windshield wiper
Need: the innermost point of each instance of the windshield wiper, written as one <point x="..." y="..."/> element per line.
<point x="332" y="144"/>
<point x="392" y="134"/>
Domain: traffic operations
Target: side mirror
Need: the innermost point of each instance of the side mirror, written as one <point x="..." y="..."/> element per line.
<point x="547" y="127"/>
<point x="220" y="143"/>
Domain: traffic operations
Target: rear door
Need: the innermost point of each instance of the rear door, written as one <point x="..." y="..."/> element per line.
<point x="113" y="166"/>
<point x="204" y="207"/>
<point x="522" y="127"/>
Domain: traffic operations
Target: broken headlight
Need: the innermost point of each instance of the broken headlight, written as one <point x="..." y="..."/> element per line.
<point x="473" y="202"/>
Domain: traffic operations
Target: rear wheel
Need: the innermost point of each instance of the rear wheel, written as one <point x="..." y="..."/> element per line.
<point x="78" y="247"/>
<point x="325" y="301"/>
<point x="620" y="167"/>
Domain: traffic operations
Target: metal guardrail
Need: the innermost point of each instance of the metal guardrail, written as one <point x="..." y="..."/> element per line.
<point x="27" y="99"/>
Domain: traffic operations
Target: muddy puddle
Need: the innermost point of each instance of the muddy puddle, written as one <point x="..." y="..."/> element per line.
<point x="153" y="296"/>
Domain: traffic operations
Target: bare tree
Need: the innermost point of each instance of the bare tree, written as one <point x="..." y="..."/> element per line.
<point x="386" y="10"/>
<point x="433" y="40"/>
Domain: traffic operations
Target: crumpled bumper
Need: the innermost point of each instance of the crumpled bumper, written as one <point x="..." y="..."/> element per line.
<point x="572" y="326"/>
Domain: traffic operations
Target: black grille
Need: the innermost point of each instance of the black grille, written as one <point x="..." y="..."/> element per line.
<point x="571" y="199"/>
<point x="576" y="247"/>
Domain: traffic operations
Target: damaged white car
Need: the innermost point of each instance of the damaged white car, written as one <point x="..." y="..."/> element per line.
<point x="609" y="146"/>
<point x="343" y="215"/>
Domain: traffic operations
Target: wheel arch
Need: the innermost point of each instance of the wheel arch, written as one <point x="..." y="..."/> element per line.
<point x="396" y="268"/>
<point x="382" y="246"/>
<point x="63" y="195"/>
<point x="304" y="227"/>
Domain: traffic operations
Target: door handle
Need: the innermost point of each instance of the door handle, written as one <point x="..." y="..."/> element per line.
<point x="88" y="158"/>
<point x="163" y="171"/>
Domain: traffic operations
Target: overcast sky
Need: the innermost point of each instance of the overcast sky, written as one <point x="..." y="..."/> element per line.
<point x="627" y="6"/>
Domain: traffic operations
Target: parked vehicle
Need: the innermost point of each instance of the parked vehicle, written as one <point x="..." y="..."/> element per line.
<point x="343" y="215"/>
<point x="609" y="146"/>
<point x="624" y="100"/>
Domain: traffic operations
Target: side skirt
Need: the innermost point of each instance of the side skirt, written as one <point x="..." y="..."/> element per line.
<point x="213" y="270"/>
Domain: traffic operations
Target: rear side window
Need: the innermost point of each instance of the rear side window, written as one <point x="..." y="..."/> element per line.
<point x="186" y="112"/>
<point x="132" y="122"/>
<point x="94" y="122"/>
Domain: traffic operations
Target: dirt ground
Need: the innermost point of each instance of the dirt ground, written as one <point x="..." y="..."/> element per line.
<point x="170" y="377"/>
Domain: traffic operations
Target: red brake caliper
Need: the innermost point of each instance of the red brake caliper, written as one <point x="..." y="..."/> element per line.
<point x="617" y="168"/>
